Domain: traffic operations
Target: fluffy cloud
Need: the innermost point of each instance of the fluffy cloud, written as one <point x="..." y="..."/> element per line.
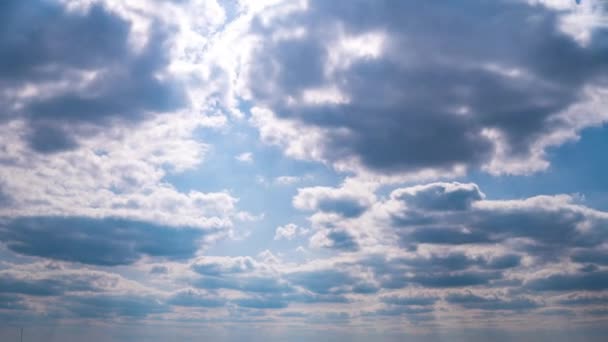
<point x="246" y="157"/>
<point x="109" y="307"/>
<point x="595" y="281"/>
<point x="107" y="242"/>
<point x="440" y="196"/>
<point x="472" y="301"/>
<point x="11" y="302"/>
<point x="441" y="236"/>
<point x="543" y="225"/>
<point x="191" y="298"/>
<point x="289" y="231"/>
<point x="321" y="72"/>
<point x="90" y="132"/>
<point x="65" y="87"/>
<point x="322" y="281"/>
<point x="216" y="266"/>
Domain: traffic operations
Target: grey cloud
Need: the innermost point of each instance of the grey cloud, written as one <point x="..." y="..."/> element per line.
<point x="38" y="35"/>
<point x="339" y="201"/>
<point x="343" y="206"/>
<point x="589" y="268"/>
<point x="450" y="262"/>
<point x="597" y="312"/>
<point x="548" y="227"/>
<point x="107" y="242"/>
<point x="365" y="288"/>
<point x="504" y="261"/>
<point x="51" y="284"/>
<point x="11" y="302"/>
<point x="403" y="100"/>
<point x="107" y="306"/>
<point x="29" y="287"/>
<point x="557" y="312"/>
<point x="591" y="256"/>
<point x="5" y="198"/>
<point x="311" y="298"/>
<point x="323" y="281"/>
<point x="342" y="240"/>
<point x="584" y="300"/>
<point x="445" y="236"/>
<point x="50" y="137"/>
<point x="260" y="284"/>
<point x="159" y="270"/>
<point x="463" y="279"/>
<point x="403" y="310"/>
<point x="389" y="272"/>
<point x="292" y="314"/>
<point x="453" y="270"/>
<point x="261" y="303"/>
<point x="440" y="196"/>
<point x="44" y="42"/>
<point x="214" y="267"/>
<point x="409" y="301"/>
<point x="192" y="299"/>
<point x="329" y="317"/>
<point x="471" y="301"/>
<point x="596" y="281"/>
<point x="545" y="230"/>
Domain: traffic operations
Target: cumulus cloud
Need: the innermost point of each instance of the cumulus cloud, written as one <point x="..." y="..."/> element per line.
<point x="245" y="157"/>
<point x="93" y="122"/>
<point x="40" y="280"/>
<point x="440" y="196"/>
<point x="443" y="236"/>
<point x="289" y="231"/>
<point x="287" y="180"/>
<point x="472" y="301"/>
<point x="596" y="281"/>
<point x="11" y="302"/>
<point x="545" y="225"/>
<point x="112" y="307"/>
<point x="117" y="173"/>
<point x="322" y="281"/>
<point x="107" y="242"/>
<point x="64" y="86"/>
<point x="216" y="266"/>
<point x="261" y="303"/>
<point x="320" y="73"/>
<point x="191" y="298"/>
<point x="345" y="201"/>
<point x="410" y="301"/>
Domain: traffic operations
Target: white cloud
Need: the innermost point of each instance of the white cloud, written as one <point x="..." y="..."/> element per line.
<point x="246" y="157"/>
<point x="287" y="180"/>
<point x="117" y="173"/>
<point x="324" y="114"/>
<point x="289" y="232"/>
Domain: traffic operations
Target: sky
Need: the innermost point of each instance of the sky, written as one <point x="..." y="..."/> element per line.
<point x="298" y="170"/>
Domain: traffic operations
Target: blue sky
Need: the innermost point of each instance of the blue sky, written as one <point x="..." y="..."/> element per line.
<point x="282" y="170"/>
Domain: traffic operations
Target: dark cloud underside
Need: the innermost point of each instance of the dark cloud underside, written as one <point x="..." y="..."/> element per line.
<point x="43" y="44"/>
<point x="426" y="100"/>
<point x="92" y="241"/>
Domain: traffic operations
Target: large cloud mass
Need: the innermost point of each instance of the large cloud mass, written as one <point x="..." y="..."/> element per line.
<point x="70" y="73"/>
<point x="418" y="87"/>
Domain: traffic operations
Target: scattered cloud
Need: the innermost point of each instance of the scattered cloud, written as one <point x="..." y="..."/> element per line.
<point x="246" y="157"/>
